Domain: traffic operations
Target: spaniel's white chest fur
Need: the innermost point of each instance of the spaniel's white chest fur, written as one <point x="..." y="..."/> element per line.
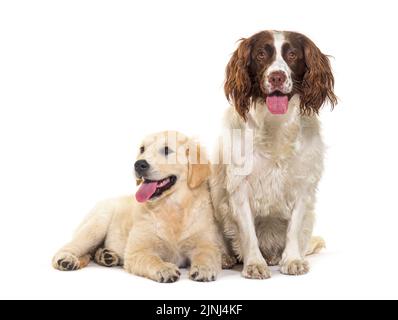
<point x="268" y="185"/>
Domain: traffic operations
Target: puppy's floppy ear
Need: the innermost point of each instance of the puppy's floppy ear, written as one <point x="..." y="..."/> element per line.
<point x="318" y="81"/>
<point x="198" y="166"/>
<point x="238" y="84"/>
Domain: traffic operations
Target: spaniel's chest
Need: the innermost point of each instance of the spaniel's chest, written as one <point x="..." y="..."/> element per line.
<point x="270" y="183"/>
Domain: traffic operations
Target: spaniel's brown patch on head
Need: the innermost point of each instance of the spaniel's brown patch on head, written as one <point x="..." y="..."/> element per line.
<point x="241" y="85"/>
<point x="315" y="81"/>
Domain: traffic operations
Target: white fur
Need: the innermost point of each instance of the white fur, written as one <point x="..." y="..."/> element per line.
<point x="279" y="64"/>
<point x="276" y="200"/>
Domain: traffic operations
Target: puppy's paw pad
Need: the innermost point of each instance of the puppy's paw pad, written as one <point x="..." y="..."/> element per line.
<point x="295" y="267"/>
<point x="66" y="262"/>
<point x="256" y="271"/>
<point x="228" y="262"/>
<point x="202" y="273"/>
<point x="169" y="274"/>
<point x="106" y="258"/>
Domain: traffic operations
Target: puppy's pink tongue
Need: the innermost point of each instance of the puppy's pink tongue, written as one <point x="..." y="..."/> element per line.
<point x="277" y="104"/>
<point x="146" y="191"/>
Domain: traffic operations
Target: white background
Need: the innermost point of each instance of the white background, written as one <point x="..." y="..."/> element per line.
<point x="82" y="81"/>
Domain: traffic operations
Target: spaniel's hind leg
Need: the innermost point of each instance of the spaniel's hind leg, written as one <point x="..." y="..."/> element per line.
<point x="315" y="246"/>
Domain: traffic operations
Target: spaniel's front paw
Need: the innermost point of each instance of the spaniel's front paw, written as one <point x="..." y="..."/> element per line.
<point x="256" y="271"/>
<point x="295" y="267"/>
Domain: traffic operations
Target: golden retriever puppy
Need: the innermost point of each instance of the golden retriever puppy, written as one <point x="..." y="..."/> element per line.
<point x="168" y="224"/>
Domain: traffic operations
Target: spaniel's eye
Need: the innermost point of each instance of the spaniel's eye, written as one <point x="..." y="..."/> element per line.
<point x="142" y="149"/>
<point x="261" y="55"/>
<point x="292" y="55"/>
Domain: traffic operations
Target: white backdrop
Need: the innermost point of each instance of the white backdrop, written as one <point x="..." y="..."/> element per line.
<point x="82" y="81"/>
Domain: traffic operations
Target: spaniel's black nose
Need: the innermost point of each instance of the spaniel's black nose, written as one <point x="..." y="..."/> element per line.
<point x="141" y="167"/>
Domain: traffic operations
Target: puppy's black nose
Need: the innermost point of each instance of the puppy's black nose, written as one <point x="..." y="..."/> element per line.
<point x="141" y="167"/>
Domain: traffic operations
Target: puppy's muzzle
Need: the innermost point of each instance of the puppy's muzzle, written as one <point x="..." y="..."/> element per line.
<point x="141" y="167"/>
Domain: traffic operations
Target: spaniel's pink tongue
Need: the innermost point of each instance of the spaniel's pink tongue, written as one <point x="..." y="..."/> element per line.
<point x="146" y="191"/>
<point x="277" y="104"/>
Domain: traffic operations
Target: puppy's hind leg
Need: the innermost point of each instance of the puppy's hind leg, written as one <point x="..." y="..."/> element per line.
<point x="107" y="258"/>
<point x="91" y="233"/>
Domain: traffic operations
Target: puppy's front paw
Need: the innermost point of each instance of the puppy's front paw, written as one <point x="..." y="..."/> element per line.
<point x="202" y="273"/>
<point x="295" y="267"/>
<point x="256" y="271"/>
<point x="168" y="274"/>
<point x="65" y="261"/>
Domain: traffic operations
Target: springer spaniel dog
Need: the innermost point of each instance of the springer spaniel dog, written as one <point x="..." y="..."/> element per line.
<point x="276" y="83"/>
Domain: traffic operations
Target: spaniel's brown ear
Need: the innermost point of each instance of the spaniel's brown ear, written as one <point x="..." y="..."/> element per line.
<point x="238" y="84"/>
<point x="318" y="81"/>
<point x="198" y="166"/>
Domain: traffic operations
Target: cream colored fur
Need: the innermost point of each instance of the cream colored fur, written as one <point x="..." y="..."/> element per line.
<point x="269" y="214"/>
<point x="156" y="238"/>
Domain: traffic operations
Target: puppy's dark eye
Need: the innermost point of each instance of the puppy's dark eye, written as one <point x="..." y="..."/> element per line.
<point x="142" y="149"/>
<point x="166" y="151"/>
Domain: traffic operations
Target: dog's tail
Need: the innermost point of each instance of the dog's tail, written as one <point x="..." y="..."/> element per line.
<point x="316" y="245"/>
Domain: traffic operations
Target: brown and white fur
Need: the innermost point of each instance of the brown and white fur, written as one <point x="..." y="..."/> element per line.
<point x="269" y="213"/>
<point x="153" y="237"/>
